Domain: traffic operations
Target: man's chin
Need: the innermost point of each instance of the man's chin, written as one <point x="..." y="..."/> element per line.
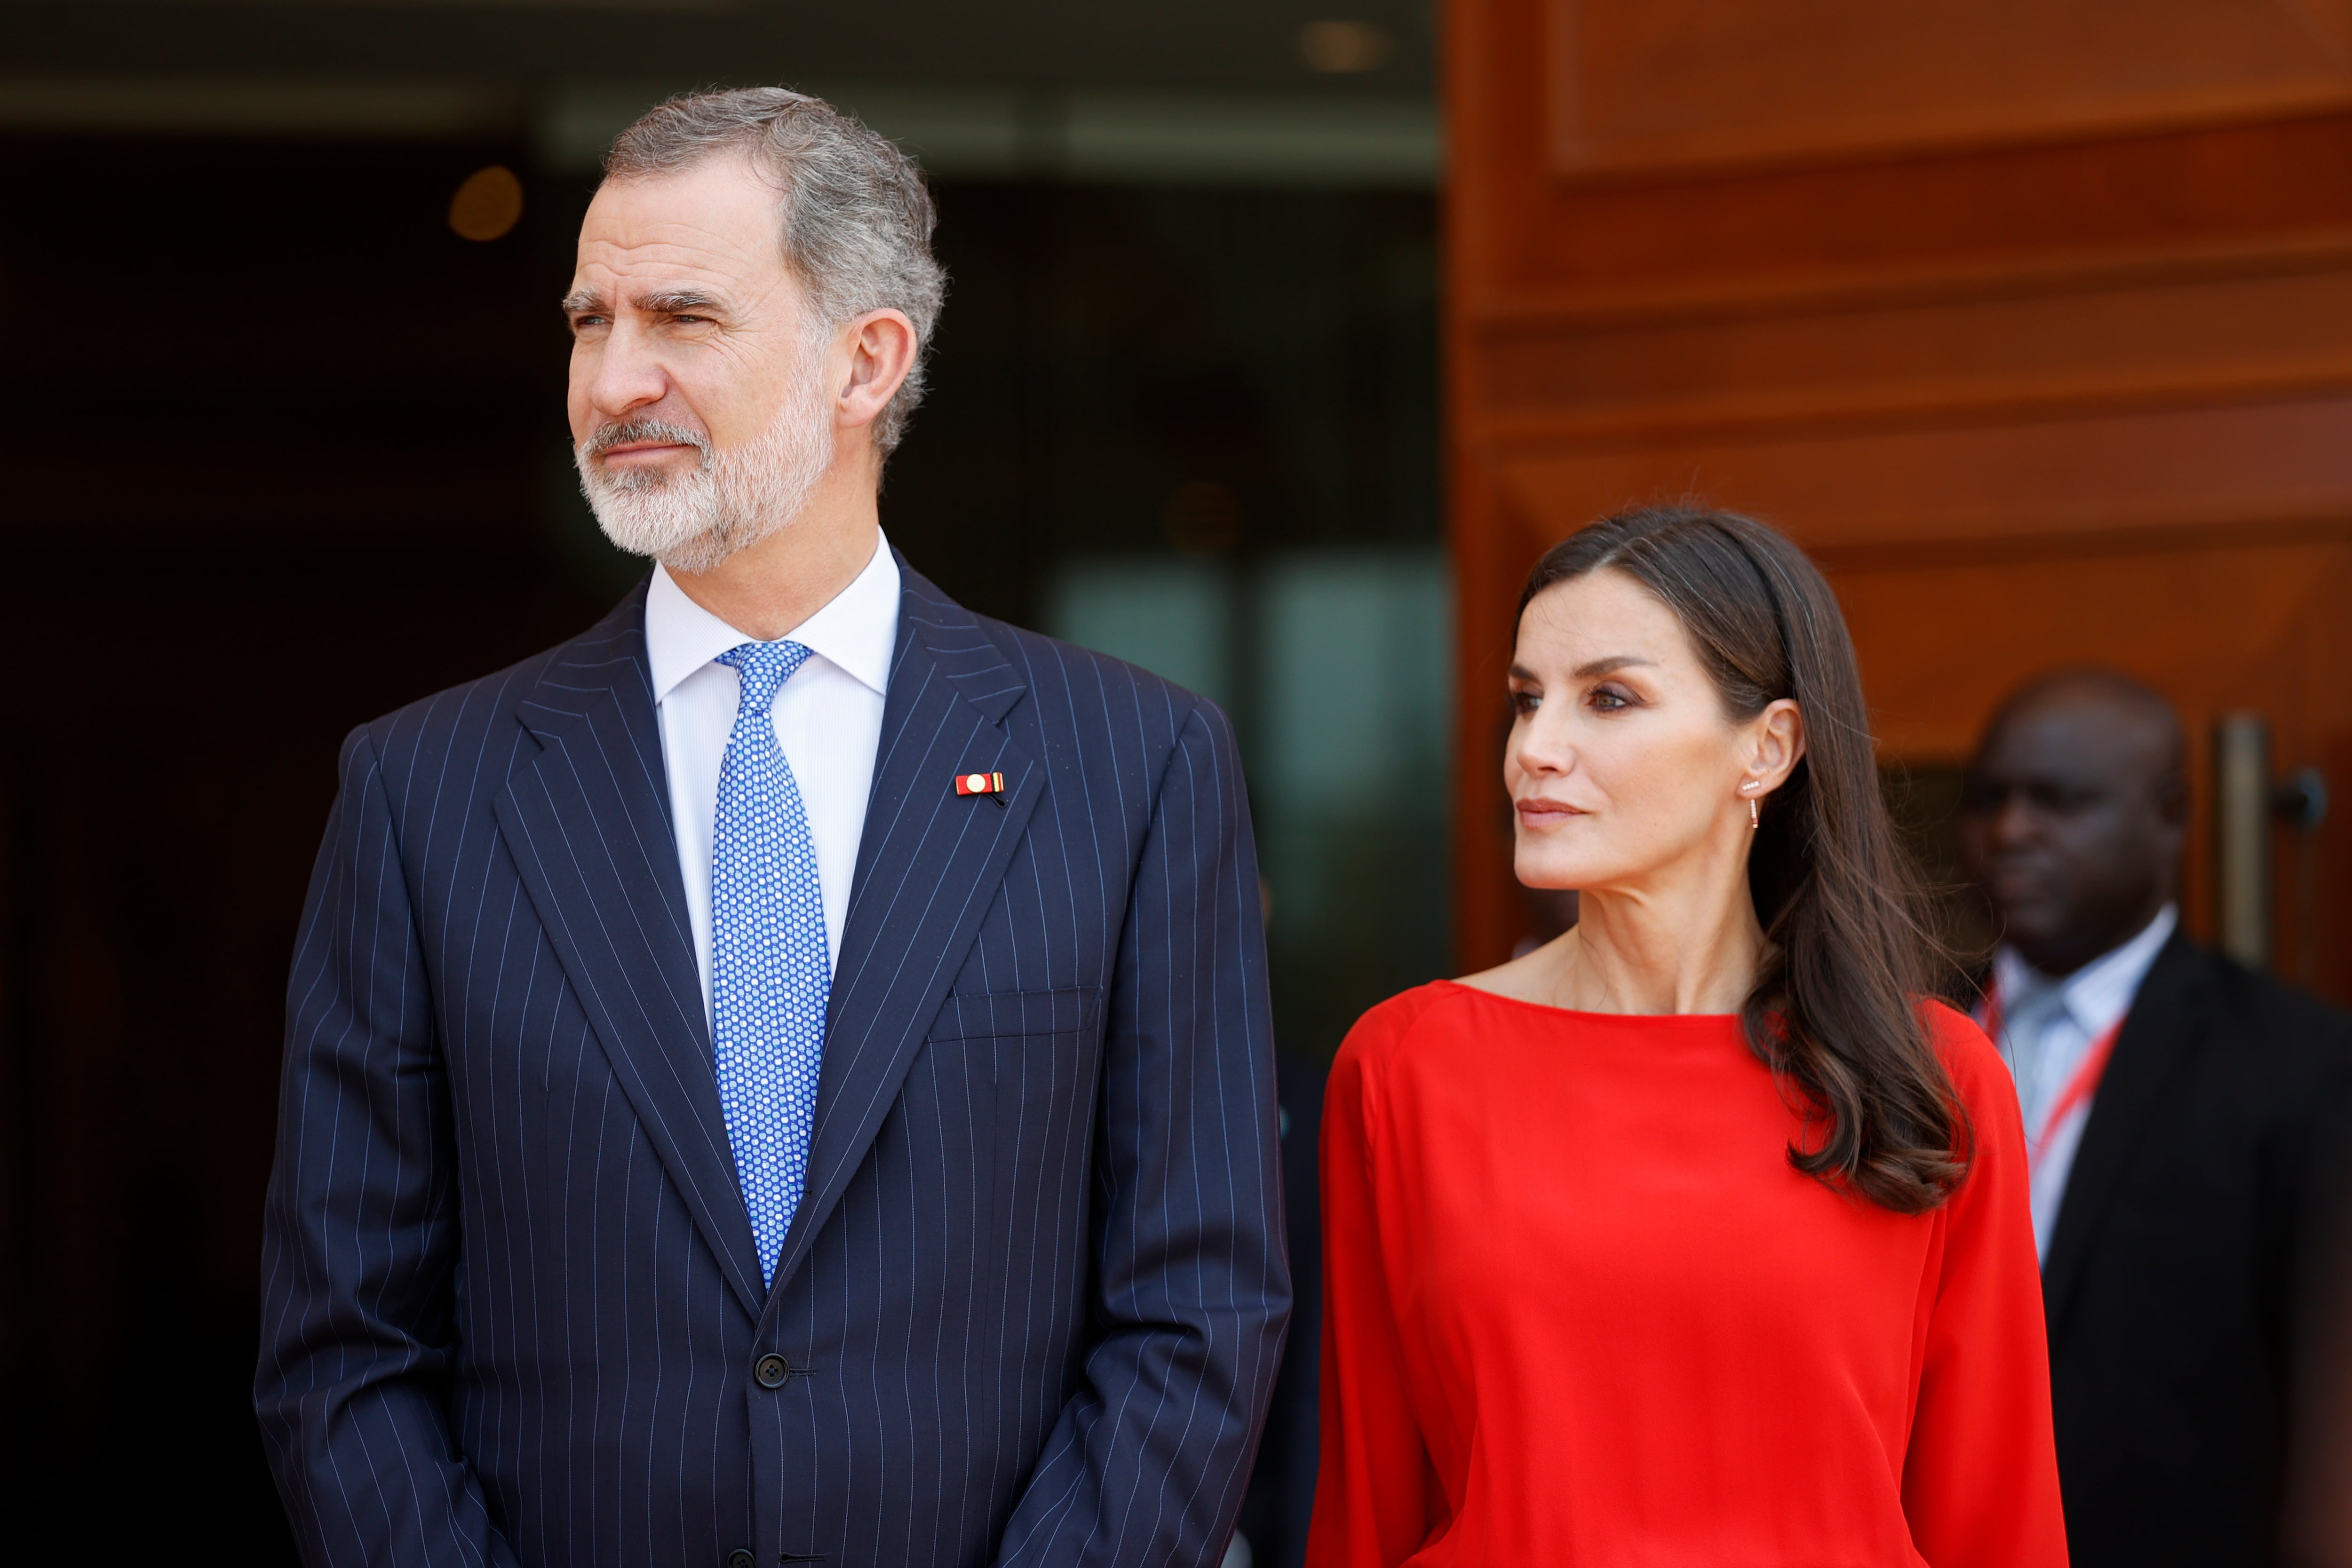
<point x="660" y="540"/>
<point x="2029" y="909"/>
<point x="709" y="549"/>
<point x="695" y="557"/>
<point x="2043" y="938"/>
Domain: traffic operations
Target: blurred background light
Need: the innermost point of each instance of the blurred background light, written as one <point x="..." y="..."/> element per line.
<point x="487" y="205"/>
<point x="1343" y="48"/>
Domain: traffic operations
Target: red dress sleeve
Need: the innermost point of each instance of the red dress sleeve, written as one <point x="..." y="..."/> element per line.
<point x="1980" y="1473"/>
<point x="1373" y="1492"/>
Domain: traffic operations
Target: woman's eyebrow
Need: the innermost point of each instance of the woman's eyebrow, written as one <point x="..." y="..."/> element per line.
<point x="1586" y="671"/>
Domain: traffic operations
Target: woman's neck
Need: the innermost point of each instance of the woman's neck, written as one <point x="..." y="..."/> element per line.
<point x="1681" y="939"/>
<point x="1628" y="953"/>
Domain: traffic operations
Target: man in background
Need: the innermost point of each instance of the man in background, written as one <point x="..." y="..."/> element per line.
<point x="785" y="1077"/>
<point x="2185" y="1123"/>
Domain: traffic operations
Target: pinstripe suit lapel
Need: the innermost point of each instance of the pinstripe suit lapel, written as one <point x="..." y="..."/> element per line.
<point x="589" y="824"/>
<point x="928" y="869"/>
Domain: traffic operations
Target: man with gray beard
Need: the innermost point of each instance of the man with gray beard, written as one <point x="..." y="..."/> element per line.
<point x="785" y="1077"/>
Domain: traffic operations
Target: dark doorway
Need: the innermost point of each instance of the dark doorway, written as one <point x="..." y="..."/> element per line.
<point x="293" y="454"/>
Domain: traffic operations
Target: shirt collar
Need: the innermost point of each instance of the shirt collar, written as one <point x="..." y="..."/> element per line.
<point x="2102" y="990"/>
<point x="857" y="630"/>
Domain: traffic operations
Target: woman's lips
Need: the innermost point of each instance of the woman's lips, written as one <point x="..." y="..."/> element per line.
<point x="1541" y="812"/>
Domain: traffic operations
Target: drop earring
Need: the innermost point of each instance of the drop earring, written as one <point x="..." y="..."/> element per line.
<point x="1754" y="815"/>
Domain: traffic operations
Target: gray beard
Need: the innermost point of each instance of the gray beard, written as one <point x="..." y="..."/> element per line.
<point x="730" y="501"/>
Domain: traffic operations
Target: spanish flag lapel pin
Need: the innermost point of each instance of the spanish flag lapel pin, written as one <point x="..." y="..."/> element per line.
<point x="989" y="784"/>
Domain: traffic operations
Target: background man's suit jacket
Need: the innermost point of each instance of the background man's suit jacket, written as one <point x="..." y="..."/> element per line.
<point x="2206" y="1176"/>
<point x="1033" y="1296"/>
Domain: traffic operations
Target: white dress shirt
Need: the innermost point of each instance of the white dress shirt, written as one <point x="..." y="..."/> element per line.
<point x="2048" y="1027"/>
<point x="828" y="721"/>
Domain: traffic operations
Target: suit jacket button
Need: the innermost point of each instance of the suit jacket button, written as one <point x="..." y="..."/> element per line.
<point x="771" y="1371"/>
<point x="740" y="1558"/>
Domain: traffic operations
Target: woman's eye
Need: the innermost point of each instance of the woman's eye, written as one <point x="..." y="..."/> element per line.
<point x="1609" y="702"/>
<point x="1525" y="702"/>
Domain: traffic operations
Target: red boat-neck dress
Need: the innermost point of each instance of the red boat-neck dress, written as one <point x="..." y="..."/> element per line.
<point x="1580" y="1312"/>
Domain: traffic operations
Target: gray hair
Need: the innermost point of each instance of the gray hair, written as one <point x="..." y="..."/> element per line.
<point x="857" y="219"/>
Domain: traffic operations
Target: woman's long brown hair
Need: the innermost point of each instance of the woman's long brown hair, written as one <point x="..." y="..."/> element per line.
<point x="1834" y="1011"/>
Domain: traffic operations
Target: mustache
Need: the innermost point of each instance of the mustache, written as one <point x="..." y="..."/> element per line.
<point x="624" y="433"/>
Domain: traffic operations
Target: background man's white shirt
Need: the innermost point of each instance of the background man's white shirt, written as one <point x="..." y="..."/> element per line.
<point x="828" y="720"/>
<point x="2048" y="1027"/>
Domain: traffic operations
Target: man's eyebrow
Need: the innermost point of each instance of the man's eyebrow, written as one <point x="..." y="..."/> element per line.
<point x="654" y="302"/>
<point x="677" y="301"/>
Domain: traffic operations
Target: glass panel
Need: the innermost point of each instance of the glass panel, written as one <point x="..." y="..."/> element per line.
<point x="1174" y="618"/>
<point x="1349" y="760"/>
<point x="1333" y="664"/>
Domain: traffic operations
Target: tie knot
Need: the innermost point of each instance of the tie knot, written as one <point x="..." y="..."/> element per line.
<point x="764" y="667"/>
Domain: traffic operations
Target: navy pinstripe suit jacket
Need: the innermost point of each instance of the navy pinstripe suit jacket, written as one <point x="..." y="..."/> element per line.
<point x="1033" y="1298"/>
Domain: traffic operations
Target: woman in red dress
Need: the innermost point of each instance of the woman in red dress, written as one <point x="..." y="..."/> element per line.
<point x="1693" y="1238"/>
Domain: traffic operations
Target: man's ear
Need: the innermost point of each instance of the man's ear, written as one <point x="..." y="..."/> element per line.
<point x="881" y="346"/>
<point x="2172" y="797"/>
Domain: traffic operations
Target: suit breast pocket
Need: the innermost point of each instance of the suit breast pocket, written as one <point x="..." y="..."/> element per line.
<point x="1040" y="1051"/>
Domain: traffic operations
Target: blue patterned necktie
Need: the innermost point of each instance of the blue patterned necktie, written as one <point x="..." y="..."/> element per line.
<point x="770" y="973"/>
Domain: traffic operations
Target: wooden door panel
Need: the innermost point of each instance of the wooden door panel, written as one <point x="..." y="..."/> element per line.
<point x="1650" y="85"/>
<point x="2232" y="467"/>
<point x="1940" y="644"/>
<point x="1630" y="369"/>
<point x="1527" y="236"/>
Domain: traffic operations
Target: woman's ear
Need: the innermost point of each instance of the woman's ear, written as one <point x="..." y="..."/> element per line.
<point x="1779" y="734"/>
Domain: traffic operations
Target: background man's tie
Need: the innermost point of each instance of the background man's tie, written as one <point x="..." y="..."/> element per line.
<point x="2025" y="1023"/>
<point x="770" y="973"/>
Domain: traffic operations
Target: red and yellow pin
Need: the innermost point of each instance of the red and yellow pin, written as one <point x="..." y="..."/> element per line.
<point x="989" y="784"/>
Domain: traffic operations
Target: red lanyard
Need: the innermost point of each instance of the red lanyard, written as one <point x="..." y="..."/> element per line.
<point x="2079" y="1088"/>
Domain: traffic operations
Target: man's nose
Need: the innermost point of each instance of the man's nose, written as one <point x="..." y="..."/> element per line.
<point x="2013" y="820"/>
<point x="627" y="373"/>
